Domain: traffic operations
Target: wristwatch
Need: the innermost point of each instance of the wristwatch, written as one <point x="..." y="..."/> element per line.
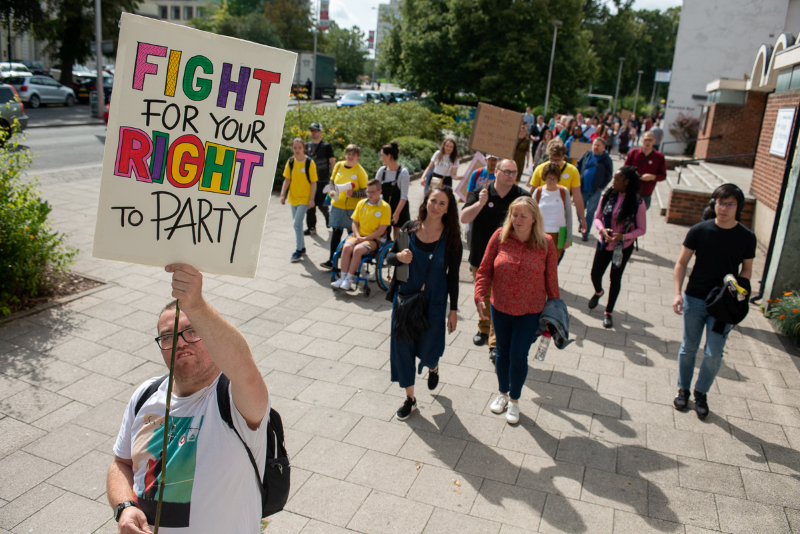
<point x="120" y="507"/>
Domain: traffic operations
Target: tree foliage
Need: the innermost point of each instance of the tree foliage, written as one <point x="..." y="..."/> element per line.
<point x="348" y="49"/>
<point x="293" y="22"/>
<point x="499" y="50"/>
<point x="68" y="28"/>
<point x="21" y="13"/>
<point x="253" y="26"/>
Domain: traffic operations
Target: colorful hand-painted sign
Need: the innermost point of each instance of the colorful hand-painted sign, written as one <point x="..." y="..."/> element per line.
<point x="193" y="139"/>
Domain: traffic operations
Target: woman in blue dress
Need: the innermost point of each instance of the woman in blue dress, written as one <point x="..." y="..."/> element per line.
<point x="433" y="257"/>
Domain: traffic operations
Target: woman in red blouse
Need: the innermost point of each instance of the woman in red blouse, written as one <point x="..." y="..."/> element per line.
<point x="520" y="265"/>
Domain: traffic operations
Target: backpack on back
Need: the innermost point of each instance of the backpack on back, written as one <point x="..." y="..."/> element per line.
<point x="274" y="487"/>
<point x="308" y="165"/>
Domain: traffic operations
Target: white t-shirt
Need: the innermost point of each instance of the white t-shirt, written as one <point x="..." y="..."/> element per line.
<point x="211" y="485"/>
<point x="552" y="208"/>
<point x="443" y="166"/>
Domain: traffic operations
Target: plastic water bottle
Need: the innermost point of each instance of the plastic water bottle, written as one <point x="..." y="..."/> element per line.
<point x="541" y="350"/>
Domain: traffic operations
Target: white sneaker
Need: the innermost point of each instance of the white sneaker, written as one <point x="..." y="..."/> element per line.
<point x="512" y="415"/>
<point x="370" y="276"/>
<point x="345" y="284"/>
<point x="499" y="404"/>
<point x="337" y="284"/>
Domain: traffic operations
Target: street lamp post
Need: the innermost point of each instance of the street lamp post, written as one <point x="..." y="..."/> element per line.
<point x="314" y="58"/>
<point x="636" y="99"/>
<point x="375" y="48"/>
<point x="616" y="94"/>
<point x="98" y="38"/>
<point x="556" y="24"/>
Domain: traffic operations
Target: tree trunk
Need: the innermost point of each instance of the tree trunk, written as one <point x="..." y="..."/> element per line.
<point x="67" y="61"/>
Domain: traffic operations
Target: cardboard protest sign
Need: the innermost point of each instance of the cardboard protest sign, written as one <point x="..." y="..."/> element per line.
<point x="625" y="115"/>
<point x="577" y="149"/>
<point x="478" y="162"/>
<point x="193" y="138"/>
<point x="495" y="131"/>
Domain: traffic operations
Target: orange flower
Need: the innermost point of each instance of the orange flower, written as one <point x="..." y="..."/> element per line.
<point x="31" y="237"/>
<point x="788" y="293"/>
<point x="777" y="300"/>
<point x="782" y="317"/>
<point x="769" y="300"/>
<point x="795" y="311"/>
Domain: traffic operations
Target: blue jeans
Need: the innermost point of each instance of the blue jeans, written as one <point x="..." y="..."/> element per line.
<point x="695" y="320"/>
<point x="647" y="201"/>
<point x="515" y="335"/>
<point x="299" y="215"/>
<point x="591" y="200"/>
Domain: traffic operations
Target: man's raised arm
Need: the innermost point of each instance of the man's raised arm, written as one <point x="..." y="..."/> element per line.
<point x="226" y="345"/>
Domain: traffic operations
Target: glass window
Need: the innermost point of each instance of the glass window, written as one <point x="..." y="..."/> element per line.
<point x="176" y="12"/>
<point x="784" y="79"/>
<point x="795" y="83"/>
<point x="6" y="95"/>
<point x="163" y="12"/>
<point x="187" y="13"/>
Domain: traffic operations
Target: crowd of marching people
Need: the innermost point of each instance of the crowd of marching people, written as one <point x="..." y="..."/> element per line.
<point x="517" y="233"/>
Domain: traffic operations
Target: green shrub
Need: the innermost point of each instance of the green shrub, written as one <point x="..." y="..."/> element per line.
<point x="412" y="164"/>
<point x="785" y="314"/>
<point x="415" y="148"/>
<point x="371" y="161"/>
<point x="34" y="256"/>
<point x="283" y="156"/>
<point x="370" y="126"/>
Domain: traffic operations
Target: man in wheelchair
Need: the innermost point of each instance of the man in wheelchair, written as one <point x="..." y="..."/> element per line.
<point x="370" y="219"/>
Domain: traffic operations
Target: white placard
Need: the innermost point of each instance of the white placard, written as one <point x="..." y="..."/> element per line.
<point x="782" y="132"/>
<point x="193" y="138"/>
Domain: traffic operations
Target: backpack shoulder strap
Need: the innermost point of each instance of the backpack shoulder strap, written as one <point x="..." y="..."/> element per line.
<point x="147" y="393"/>
<point x="538" y="194"/>
<point x="224" y="405"/>
<point x="563" y="191"/>
<point x="308" y="166"/>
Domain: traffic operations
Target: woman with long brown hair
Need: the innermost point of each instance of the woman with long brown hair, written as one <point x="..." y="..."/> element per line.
<point x="433" y="258"/>
<point x="443" y="165"/>
<point x="521" y="266"/>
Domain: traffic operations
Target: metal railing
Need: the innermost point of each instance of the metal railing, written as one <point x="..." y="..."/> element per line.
<point x="685" y="162"/>
<point x="690" y="140"/>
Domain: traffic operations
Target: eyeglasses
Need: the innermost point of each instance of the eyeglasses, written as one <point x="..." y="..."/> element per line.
<point x="727" y="205"/>
<point x="508" y="172"/>
<point x="188" y="335"/>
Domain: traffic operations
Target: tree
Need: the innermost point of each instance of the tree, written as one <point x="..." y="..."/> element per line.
<point x="21" y="14"/>
<point x="498" y="50"/>
<point x="293" y="22"/>
<point x="68" y="28"/>
<point x="347" y="47"/>
<point x="255" y="26"/>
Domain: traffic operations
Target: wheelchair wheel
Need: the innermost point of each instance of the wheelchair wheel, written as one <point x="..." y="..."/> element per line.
<point x="385" y="272"/>
<point x="367" y="291"/>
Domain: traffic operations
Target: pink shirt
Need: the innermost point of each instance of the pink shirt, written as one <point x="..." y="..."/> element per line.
<point x="522" y="279"/>
<point x="638" y="230"/>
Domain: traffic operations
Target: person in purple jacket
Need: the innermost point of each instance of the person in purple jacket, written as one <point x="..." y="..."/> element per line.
<point x="621" y="217"/>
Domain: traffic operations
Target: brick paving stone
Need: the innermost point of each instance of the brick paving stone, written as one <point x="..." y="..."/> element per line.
<point x="567" y="515"/>
<point x="328" y="499"/>
<point x="68" y="514"/>
<point x="385" y="473"/>
<point x="382" y="513"/>
<point x="710" y="477"/>
<point x="739" y="516"/>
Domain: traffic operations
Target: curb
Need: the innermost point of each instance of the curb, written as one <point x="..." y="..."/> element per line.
<point x="86" y="123"/>
<point x="58" y="302"/>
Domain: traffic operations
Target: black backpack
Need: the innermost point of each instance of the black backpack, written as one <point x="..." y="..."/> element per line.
<point x="277" y="470"/>
<point x="308" y="165"/>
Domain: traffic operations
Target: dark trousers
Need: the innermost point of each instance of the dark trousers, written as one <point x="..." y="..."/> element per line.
<point x="515" y="335"/>
<point x="319" y="202"/>
<point x="602" y="258"/>
<point x="336" y="238"/>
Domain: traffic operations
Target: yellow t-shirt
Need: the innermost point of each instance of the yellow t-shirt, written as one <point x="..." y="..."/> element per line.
<point x="570" y="176"/>
<point x="300" y="187"/>
<point x="342" y="175"/>
<point x="370" y="217"/>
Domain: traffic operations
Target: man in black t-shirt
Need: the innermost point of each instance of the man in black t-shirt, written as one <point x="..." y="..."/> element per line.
<point x="486" y="209"/>
<point x="322" y="152"/>
<point x="721" y="245"/>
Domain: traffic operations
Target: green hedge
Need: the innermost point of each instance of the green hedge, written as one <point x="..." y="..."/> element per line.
<point x="369" y="126"/>
<point x="415" y="153"/>
<point x="33" y="255"/>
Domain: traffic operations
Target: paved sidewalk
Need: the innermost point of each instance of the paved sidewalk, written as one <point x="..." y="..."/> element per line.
<point x="598" y="449"/>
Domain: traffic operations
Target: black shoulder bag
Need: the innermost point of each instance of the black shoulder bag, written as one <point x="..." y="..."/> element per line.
<point x="411" y="320"/>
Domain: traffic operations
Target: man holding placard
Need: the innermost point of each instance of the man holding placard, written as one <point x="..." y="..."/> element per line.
<point x="211" y="485"/>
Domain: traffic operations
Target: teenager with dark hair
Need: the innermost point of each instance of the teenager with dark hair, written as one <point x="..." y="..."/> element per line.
<point x="721" y="246"/>
<point x="395" y="180"/>
<point x="621" y="217"/>
<point x="443" y="166"/>
<point x="433" y="257"/>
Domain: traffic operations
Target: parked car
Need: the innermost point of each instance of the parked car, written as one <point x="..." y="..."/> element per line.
<point x="36" y="67"/>
<point x="14" y="69"/>
<point x="10" y="109"/>
<point x="376" y="96"/>
<point x="352" y="99"/>
<point x="37" y="90"/>
<point x="84" y="83"/>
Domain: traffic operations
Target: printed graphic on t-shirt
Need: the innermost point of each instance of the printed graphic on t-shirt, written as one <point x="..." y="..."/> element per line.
<point x="181" y="463"/>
